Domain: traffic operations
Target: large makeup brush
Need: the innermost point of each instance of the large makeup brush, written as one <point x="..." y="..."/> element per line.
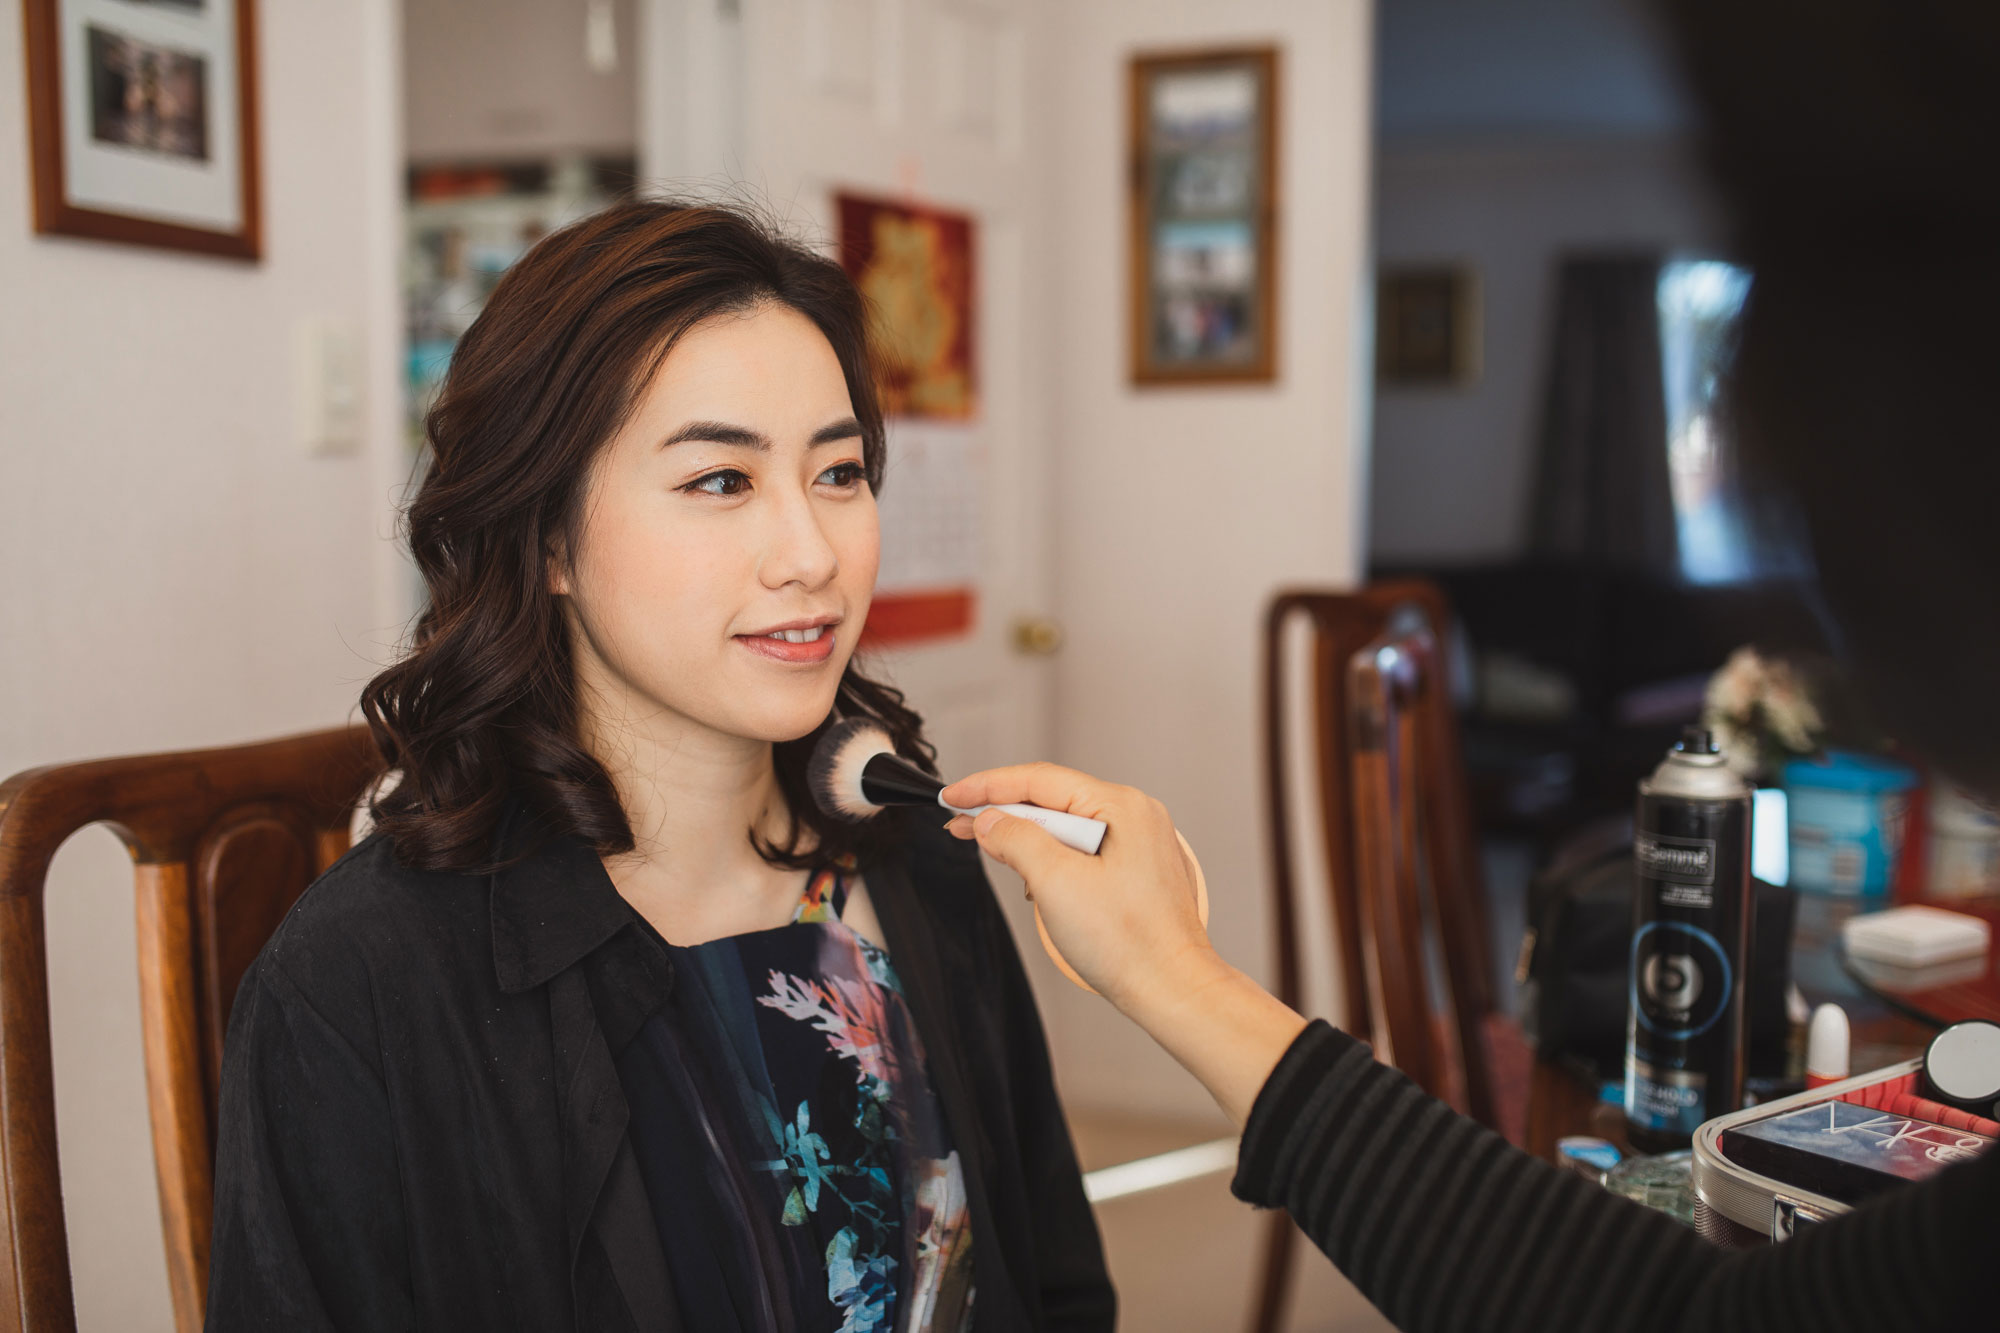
<point x="856" y="773"/>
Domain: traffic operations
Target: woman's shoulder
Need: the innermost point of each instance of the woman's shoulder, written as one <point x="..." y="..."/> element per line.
<point x="372" y="898"/>
<point x="370" y="915"/>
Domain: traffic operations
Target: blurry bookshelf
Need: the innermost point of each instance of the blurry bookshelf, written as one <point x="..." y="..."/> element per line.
<point x="465" y="223"/>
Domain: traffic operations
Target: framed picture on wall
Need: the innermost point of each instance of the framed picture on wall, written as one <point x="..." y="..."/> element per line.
<point x="1204" y="206"/>
<point x="143" y="122"/>
<point x="1427" y="325"/>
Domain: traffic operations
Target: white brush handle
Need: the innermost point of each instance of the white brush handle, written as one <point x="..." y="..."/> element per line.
<point x="1086" y="835"/>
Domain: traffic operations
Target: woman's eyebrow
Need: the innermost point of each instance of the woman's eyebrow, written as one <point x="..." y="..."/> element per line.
<point x="846" y="429"/>
<point x="718" y="432"/>
<point x="721" y="432"/>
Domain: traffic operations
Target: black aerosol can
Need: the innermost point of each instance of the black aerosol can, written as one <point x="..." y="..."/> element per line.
<point x="1690" y="939"/>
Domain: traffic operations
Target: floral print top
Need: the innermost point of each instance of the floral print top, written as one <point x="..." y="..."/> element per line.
<point x="800" y="1170"/>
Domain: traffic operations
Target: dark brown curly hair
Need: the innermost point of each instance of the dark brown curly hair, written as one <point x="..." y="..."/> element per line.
<point x="482" y="710"/>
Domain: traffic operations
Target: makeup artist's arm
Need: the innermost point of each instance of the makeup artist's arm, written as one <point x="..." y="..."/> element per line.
<point x="1439" y="1222"/>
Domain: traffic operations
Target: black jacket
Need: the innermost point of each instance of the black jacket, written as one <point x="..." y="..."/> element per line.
<point x="421" y="1126"/>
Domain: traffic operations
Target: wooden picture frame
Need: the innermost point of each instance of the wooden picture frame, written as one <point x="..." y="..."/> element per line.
<point x="142" y="122"/>
<point x="1203" y="181"/>
<point x="1427" y="325"/>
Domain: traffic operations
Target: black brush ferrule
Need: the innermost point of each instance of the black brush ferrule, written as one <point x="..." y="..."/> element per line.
<point x="889" y="779"/>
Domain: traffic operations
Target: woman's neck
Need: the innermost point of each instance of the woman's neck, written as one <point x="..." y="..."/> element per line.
<point x="692" y="795"/>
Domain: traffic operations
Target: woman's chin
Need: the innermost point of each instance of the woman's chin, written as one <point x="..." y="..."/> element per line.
<point x="778" y="725"/>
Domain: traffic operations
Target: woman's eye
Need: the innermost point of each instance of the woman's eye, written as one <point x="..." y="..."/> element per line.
<point x="727" y="482"/>
<point x="844" y="475"/>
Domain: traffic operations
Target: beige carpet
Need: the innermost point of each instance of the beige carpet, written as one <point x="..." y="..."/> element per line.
<point x="1186" y="1257"/>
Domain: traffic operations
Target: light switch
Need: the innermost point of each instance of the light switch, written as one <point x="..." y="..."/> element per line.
<point x="327" y="379"/>
<point x="600" y="38"/>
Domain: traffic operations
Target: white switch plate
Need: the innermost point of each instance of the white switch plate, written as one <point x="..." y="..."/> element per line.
<point x="327" y="389"/>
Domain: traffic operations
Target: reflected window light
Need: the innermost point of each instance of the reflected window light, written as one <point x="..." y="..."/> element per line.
<point x="1770" y="836"/>
<point x="1699" y="301"/>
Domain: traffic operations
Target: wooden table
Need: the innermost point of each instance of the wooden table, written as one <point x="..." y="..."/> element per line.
<point x="1892" y="1015"/>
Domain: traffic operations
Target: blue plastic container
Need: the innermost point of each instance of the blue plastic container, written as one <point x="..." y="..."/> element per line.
<point x="1846" y="814"/>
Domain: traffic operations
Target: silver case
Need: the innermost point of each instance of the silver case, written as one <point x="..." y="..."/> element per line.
<point x="1766" y="1206"/>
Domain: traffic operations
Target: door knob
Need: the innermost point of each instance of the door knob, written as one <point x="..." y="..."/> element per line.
<point x="1037" y="636"/>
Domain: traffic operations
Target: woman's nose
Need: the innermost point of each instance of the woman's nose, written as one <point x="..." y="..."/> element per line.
<point x="798" y="551"/>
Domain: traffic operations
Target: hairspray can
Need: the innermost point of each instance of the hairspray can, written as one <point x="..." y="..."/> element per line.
<point x="1690" y="937"/>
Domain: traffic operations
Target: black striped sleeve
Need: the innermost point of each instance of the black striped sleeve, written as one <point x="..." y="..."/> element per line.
<point x="1445" y="1227"/>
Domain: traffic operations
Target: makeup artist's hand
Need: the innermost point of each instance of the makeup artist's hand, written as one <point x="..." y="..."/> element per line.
<point x="1126" y="920"/>
<point x="1123" y="918"/>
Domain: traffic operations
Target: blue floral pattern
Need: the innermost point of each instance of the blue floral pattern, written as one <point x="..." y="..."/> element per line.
<point x="800" y="1058"/>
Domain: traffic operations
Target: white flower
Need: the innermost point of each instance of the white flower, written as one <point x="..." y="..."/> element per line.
<point x="1791" y="715"/>
<point x="1754" y="706"/>
<point x="1733" y="691"/>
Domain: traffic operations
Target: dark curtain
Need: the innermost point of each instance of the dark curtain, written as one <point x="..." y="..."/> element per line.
<point x="1601" y="491"/>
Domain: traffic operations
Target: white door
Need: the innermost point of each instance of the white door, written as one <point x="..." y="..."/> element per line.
<point x="783" y="103"/>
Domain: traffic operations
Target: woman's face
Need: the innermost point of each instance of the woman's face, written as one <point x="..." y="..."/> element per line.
<point x="728" y="542"/>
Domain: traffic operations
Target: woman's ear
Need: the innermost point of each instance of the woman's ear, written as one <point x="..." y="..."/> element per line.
<point x="555" y="561"/>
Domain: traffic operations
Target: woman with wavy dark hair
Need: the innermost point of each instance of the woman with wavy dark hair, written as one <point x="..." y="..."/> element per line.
<point x="606" y="1026"/>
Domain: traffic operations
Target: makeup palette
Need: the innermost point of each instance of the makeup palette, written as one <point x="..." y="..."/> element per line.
<point x="1763" y="1172"/>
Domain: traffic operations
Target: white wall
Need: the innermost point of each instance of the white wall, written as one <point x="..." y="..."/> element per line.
<point x="179" y="572"/>
<point x="1180" y="510"/>
<point x="1454" y="465"/>
<point x="508" y="79"/>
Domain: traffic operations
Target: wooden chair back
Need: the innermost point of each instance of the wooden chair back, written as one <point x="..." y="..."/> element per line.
<point x="1416" y="869"/>
<point x="1341" y="626"/>
<point x="1395" y="835"/>
<point x="222" y="843"/>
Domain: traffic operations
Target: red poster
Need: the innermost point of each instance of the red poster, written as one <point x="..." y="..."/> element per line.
<point x="915" y="266"/>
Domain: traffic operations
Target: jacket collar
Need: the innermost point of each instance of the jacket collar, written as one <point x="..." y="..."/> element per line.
<point x="552" y="903"/>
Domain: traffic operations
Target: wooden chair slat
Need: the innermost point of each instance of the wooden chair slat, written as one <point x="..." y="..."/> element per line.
<point x="1396" y="837"/>
<point x="222" y="841"/>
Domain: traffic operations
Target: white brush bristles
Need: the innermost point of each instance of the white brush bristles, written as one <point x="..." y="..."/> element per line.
<point x="837" y="761"/>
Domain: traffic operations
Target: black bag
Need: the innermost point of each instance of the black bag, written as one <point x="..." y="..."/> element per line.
<point x="1573" y="971"/>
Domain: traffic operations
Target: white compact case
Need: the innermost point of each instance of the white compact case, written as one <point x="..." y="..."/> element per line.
<point x="1916" y="936"/>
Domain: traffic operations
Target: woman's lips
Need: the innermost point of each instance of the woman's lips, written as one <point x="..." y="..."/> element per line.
<point x="782" y="650"/>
